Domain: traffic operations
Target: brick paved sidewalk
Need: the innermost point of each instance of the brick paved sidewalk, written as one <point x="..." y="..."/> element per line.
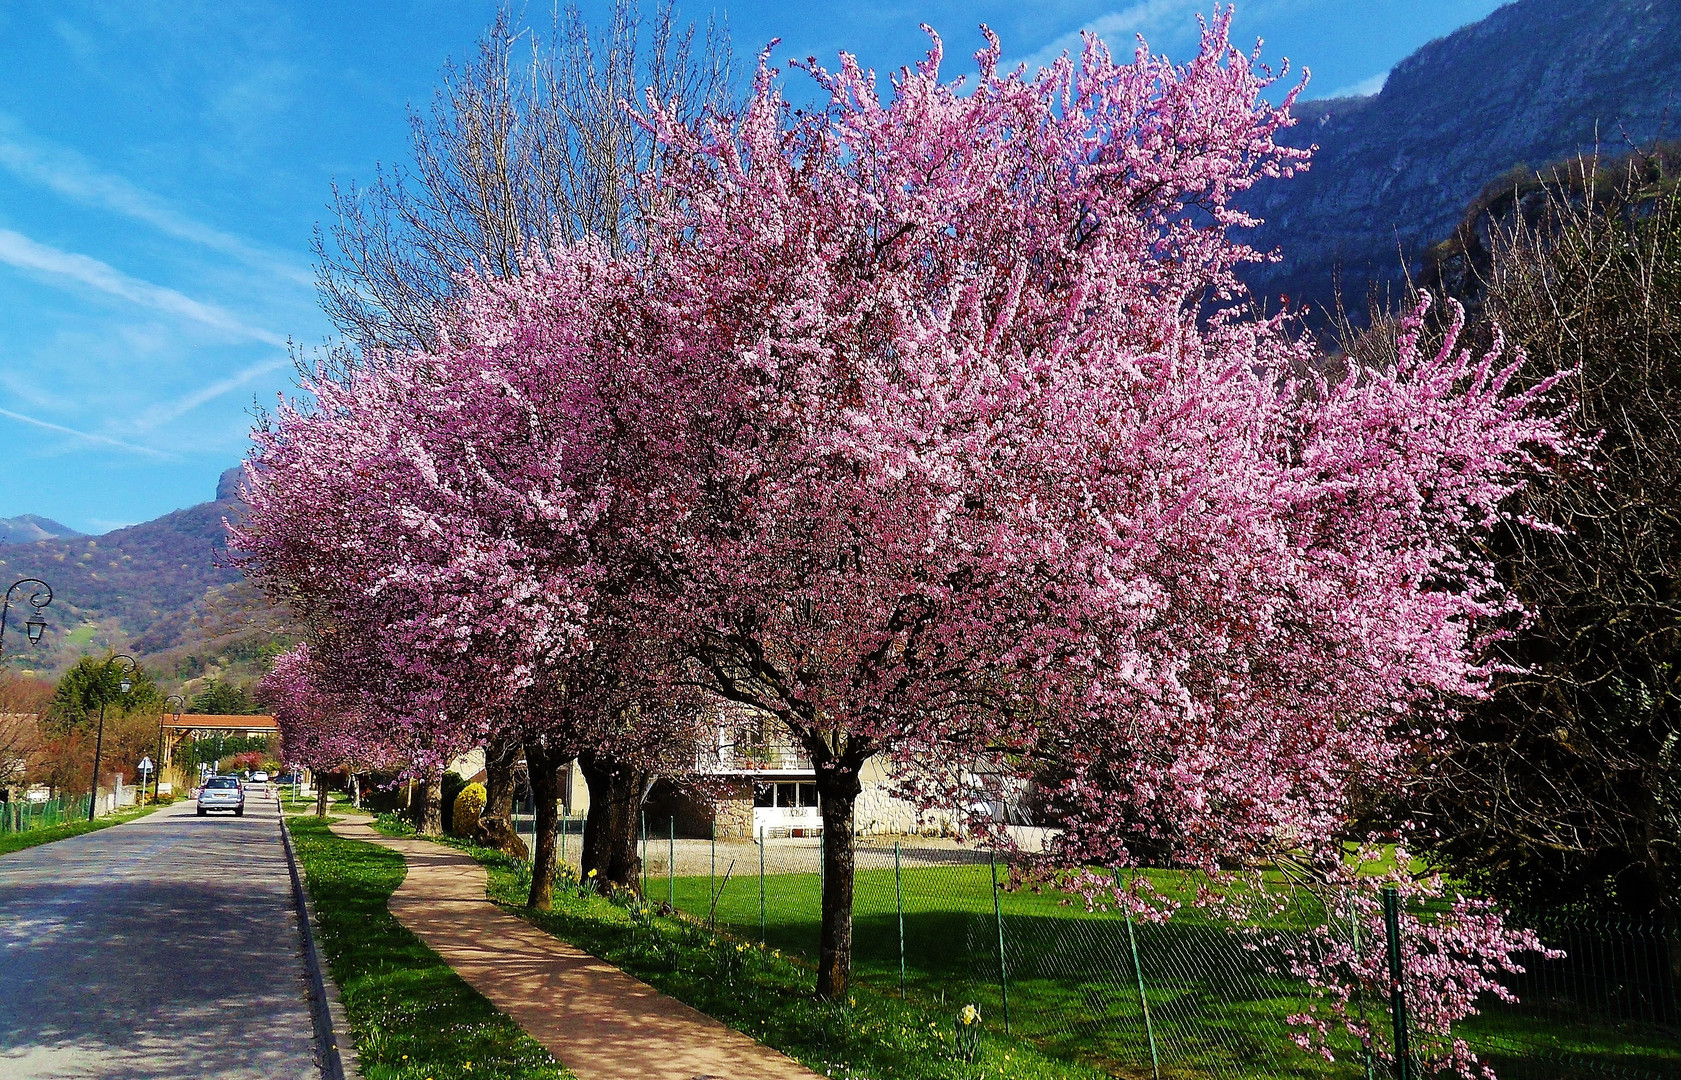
<point x="596" y="1020"/>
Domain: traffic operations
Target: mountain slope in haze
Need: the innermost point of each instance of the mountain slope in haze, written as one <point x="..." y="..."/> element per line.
<point x="28" y="528"/>
<point x="1535" y="82"/>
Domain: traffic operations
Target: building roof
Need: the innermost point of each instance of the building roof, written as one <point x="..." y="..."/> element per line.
<point x="218" y="722"/>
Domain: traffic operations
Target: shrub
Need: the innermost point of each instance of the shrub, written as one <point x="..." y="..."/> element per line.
<point x="468" y="806"/>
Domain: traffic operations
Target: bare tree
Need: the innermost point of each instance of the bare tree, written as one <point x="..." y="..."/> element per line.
<point x="527" y="145"/>
<point x="22" y="699"/>
<point x="1564" y="787"/>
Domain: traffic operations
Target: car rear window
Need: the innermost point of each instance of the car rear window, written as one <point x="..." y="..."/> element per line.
<point x="221" y="782"/>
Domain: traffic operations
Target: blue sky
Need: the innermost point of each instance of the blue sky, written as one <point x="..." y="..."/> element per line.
<point x="163" y="164"/>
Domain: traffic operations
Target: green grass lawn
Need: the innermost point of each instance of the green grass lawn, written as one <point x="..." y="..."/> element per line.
<point x="1073" y="990"/>
<point x="10" y="842"/>
<point x="1217" y="1001"/>
<point x="411" y="1016"/>
<point x="768" y="994"/>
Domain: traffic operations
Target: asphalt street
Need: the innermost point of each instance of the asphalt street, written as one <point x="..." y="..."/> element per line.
<point x="167" y="947"/>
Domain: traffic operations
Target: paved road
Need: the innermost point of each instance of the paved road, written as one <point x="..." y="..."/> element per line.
<point x="167" y="947"/>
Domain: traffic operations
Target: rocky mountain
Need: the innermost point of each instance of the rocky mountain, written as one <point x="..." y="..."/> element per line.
<point x="28" y="528"/>
<point x="1535" y="82"/>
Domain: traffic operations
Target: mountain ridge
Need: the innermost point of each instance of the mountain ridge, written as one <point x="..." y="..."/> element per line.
<point x="29" y="528"/>
<point x="1531" y="84"/>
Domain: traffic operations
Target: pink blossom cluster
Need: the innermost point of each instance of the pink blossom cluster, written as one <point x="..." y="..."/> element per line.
<point x="316" y="731"/>
<point x="937" y="427"/>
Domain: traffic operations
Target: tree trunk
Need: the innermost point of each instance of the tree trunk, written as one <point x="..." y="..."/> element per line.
<point x="496" y="825"/>
<point x="543" y="764"/>
<point x="838" y="786"/>
<point x="610" y="828"/>
<point x="320" y="796"/>
<point x="431" y="814"/>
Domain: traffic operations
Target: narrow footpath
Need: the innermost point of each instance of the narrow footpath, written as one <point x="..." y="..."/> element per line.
<point x="596" y="1020"/>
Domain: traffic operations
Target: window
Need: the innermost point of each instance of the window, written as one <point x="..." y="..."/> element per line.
<point x="764" y="795"/>
<point x="808" y="794"/>
<point x="787" y="794"/>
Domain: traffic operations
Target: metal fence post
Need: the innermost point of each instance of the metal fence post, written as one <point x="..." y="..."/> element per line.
<point x="1354" y="931"/>
<point x="712" y="888"/>
<point x="1143" y="999"/>
<point x="998" y="917"/>
<point x="761" y="886"/>
<point x="899" y="901"/>
<point x="671" y="865"/>
<point x="1397" y="989"/>
<point x="644" y="854"/>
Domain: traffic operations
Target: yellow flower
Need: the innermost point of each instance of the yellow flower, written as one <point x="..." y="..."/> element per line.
<point x="592" y="873"/>
<point x="970" y="1015"/>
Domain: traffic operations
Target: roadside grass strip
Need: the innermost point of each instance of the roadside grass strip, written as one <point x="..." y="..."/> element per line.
<point x="10" y="842"/>
<point x="767" y="993"/>
<point x="411" y="1016"/>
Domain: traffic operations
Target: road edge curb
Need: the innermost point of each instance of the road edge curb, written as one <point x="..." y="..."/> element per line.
<point x="326" y="1010"/>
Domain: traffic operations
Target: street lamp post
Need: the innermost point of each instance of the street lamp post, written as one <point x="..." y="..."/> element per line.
<point x="39" y="597"/>
<point x="180" y="704"/>
<point x="127" y="668"/>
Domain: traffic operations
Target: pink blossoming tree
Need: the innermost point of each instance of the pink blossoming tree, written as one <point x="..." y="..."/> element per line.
<point x="938" y="427"/>
<point x="988" y="461"/>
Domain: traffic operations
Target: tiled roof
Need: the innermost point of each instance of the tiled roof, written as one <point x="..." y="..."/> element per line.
<point x="201" y="721"/>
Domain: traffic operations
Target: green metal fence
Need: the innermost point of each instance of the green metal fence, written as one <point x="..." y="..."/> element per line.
<point x="1193" y="997"/>
<point x="24" y="815"/>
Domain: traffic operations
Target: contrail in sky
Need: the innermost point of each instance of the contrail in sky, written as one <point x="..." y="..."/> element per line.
<point x="85" y="435"/>
<point x="20" y="251"/>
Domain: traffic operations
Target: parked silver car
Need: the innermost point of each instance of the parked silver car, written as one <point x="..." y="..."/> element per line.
<point x="221" y="793"/>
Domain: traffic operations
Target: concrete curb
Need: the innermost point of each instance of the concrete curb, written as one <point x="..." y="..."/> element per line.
<point x="326" y="1010"/>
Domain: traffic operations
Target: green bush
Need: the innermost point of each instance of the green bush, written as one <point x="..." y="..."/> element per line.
<point x="468" y="806"/>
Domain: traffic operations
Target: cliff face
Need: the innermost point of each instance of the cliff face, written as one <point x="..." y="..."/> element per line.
<point x="1535" y="82"/>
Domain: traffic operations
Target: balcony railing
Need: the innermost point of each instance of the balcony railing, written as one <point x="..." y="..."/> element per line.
<point x="750" y="756"/>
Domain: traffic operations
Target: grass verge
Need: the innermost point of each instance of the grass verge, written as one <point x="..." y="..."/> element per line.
<point x="767" y="993"/>
<point x="411" y="1016"/>
<point x="10" y="842"/>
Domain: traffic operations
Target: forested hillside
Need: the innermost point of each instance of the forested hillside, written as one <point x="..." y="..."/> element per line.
<point x="162" y="590"/>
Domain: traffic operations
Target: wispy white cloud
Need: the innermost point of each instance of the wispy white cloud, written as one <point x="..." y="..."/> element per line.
<point x="169" y="411"/>
<point x="85" y="436"/>
<point x="72" y="176"/>
<point x="20" y="251"/>
<point x="1363" y="88"/>
<point x="1118" y="28"/>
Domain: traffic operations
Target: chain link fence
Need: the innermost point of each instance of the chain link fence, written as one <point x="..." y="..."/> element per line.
<point x="1192" y="998"/>
<point x="26" y="815"/>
